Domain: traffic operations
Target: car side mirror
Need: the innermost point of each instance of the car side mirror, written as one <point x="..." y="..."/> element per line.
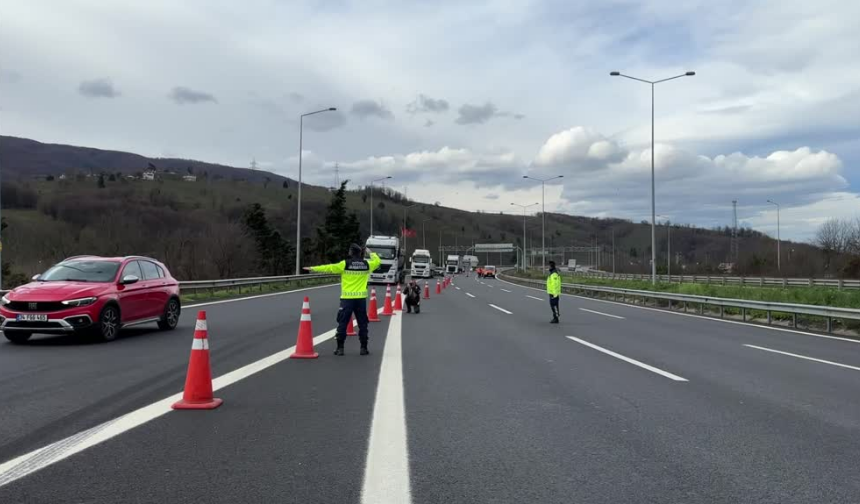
<point x="36" y="277"/>
<point x="129" y="279"/>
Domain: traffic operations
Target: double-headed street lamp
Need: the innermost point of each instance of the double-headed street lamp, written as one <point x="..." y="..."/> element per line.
<point x="668" y="246"/>
<point x="424" y="234"/>
<point x="299" y="212"/>
<point x="653" y="199"/>
<point x="543" y="213"/>
<point x="371" y="200"/>
<point x="778" y="267"/>
<point x="524" y="207"/>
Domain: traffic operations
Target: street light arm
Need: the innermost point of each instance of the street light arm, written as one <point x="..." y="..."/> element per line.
<point x="688" y="74"/>
<point x="330" y="109"/>
<point x="619" y="74"/>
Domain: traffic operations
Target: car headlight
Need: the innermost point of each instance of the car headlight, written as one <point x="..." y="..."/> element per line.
<point x="79" y="302"/>
<point x="5" y="300"/>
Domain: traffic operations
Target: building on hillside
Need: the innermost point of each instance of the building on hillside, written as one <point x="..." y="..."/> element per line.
<point x="63" y="177"/>
<point x="190" y="178"/>
<point x="148" y="175"/>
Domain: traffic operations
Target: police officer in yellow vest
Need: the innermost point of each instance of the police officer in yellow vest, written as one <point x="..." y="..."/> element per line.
<point x="354" y="273"/>
<point x="553" y="288"/>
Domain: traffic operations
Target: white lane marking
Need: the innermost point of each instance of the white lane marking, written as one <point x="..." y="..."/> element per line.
<point x="601" y="313"/>
<point x="235" y="300"/>
<point x="470" y="294"/>
<point x="501" y="309"/>
<point x="682" y="314"/>
<point x="43" y="457"/>
<point x="386" y="472"/>
<point x="539" y="299"/>
<point x="456" y="287"/>
<point x="483" y="283"/>
<point x="629" y="360"/>
<point x="804" y="357"/>
<point x="506" y="290"/>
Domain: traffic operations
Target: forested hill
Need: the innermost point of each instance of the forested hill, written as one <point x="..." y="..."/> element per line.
<point x="201" y="228"/>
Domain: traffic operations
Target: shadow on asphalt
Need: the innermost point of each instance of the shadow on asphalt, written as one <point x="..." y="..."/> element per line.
<point x="60" y="340"/>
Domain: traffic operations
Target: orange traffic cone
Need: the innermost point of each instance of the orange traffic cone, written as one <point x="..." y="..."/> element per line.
<point x="305" y="340"/>
<point x="426" y="290"/>
<point x="438" y="287"/>
<point x="350" y="331"/>
<point x="386" y="307"/>
<point x="398" y="301"/>
<point x="198" y="382"/>
<point x="372" y="311"/>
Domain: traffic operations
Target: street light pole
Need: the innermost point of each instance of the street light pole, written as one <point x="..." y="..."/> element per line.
<point x="653" y="196"/>
<point x="668" y="246"/>
<point x="424" y="234"/>
<point x="371" y="201"/>
<point x="543" y="214"/>
<point x="524" y="207"/>
<point x="778" y="255"/>
<point x="299" y="212"/>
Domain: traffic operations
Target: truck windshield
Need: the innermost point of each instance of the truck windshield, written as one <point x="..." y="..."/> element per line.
<point x="420" y="259"/>
<point x="383" y="252"/>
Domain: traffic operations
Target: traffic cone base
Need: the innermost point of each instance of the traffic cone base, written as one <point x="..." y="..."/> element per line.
<point x="198" y="382"/>
<point x="305" y="339"/>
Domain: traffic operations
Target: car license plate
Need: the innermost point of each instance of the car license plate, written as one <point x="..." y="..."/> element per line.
<point x="31" y="317"/>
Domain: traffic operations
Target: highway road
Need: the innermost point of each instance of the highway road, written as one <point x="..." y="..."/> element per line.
<point x="477" y="399"/>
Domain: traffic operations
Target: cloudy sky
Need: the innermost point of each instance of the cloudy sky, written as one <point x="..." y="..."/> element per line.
<point x="458" y="100"/>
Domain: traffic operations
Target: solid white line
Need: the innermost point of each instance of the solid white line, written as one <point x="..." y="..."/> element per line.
<point x="43" y="457"/>
<point x="601" y="313"/>
<point x="501" y="309"/>
<point x="629" y="360"/>
<point x="470" y="295"/>
<point x="804" y="357"/>
<point x="235" y="300"/>
<point x="386" y="472"/>
<point x="539" y="299"/>
<point x="506" y="290"/>
<point x="682" y="314"/>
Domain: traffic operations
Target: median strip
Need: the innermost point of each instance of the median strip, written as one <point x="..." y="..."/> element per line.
<point x="629" y="360"/>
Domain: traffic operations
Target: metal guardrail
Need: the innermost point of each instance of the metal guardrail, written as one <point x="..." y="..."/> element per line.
<point x="838" y="283"/>
<point x="196" y="285"/>
<point x="828" y="313"/>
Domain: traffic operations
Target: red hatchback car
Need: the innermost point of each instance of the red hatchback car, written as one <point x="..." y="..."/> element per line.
<point x="93" y="294"/>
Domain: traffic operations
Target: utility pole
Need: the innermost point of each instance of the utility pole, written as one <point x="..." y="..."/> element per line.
<point x="613" y="251"/>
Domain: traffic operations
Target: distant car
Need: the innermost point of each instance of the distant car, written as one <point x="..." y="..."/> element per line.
<point x="92" y="294"/>
<point x="488" y="271"/>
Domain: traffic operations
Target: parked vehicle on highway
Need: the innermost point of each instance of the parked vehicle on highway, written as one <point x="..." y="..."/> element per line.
<point x="488" y="271"/>
<point x="422" y="264"/>
<point x="99" y="295"/>
<point x="392" y="270"/>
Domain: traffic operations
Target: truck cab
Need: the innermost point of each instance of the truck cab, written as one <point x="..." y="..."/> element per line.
<point x="391" y="270"/>
<point x="422" y="264"/>
<point x="452" y="265"/>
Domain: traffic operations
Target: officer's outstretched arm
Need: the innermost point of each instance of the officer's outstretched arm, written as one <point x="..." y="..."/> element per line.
<point x="336" y="268"/>
<point x="374" y="261"/>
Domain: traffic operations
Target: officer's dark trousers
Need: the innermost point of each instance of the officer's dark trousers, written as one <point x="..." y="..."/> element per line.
<point x="553" y="304"/>
<point x="348" y="308"/>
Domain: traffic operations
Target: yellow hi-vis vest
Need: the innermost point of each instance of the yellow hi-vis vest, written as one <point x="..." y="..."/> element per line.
<point x="553" y="284"/>
<point x="354" y="274"/>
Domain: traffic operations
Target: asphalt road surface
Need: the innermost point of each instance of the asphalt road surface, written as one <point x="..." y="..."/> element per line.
<point x="476" y="399"/>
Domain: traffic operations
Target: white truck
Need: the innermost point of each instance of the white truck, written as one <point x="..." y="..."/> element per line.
<point x="391" y="270"/>
<point x="452" y="265"/>
<point x="470" y="262"/>
<point x="422" y="264"/>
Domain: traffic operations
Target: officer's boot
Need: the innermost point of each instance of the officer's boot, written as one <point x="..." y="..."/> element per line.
<point x="363" y="350"/>
<point x="339" y="350"/>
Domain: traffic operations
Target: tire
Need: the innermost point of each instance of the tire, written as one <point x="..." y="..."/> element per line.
<point x="17" y="337"/>
<point x="107" y="328"/>
<point x="170" y="319"/>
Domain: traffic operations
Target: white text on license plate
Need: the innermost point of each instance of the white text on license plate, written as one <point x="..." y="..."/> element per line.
<point x="31" y="317"/>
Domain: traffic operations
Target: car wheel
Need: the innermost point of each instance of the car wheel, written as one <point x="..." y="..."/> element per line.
<point x="108" y="327"/>
<point x="17" y="337"/>
<point x="171" y="316"/>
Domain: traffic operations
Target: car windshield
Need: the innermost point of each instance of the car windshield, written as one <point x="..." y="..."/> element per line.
<point x="81" y="271"/>
<point x="491" y="268"/>
<point x="383" y="252"/>
<point x="421" y="259"/>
